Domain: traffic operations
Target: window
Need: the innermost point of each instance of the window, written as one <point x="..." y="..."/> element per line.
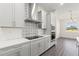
<point x="72" y="26"/>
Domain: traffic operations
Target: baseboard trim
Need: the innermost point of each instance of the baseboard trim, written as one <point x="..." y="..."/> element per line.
<point x="66" y="38"/>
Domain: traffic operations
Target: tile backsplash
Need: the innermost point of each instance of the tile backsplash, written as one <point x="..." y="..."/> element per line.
<point x="40" y="32"/>
<point x="2" y="37"/>
<point x="31" y="29"/>
<point x="11" y="33"/>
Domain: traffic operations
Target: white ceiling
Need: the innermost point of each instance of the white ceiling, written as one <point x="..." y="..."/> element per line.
<point x="49" y="6"/>
<point x="61" y="10"/>
<point x="57" y="6"/>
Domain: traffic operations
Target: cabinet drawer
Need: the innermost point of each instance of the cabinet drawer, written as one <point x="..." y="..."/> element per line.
<point x="11" y="51"/>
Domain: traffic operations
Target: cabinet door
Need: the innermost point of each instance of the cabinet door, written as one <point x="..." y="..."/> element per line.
<point x="19" y="14"/>
<point x="43" y="19"/>
<point x="41" y="16"/>
<point x="35" y="48"/>
<point x="25" y="50"/>
<point x="47" y="43"/>
<point x="6" y="10"/>
<point x="41" y="46"/>
<point x="11" y="52"/>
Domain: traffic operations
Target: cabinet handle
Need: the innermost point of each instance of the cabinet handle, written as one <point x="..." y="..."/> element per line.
<point x="38" y="44"/>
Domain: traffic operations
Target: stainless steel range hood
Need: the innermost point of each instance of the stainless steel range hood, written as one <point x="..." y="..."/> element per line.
<point x="29" y="18"/>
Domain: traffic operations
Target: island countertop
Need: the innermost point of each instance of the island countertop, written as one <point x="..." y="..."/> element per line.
<point x="8" y="43"/>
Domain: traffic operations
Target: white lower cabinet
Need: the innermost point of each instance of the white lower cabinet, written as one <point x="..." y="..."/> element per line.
<point x="25" y="50"/>
<point x="37" y="47"/>
<point x="47" y="42"/>
<point x="14" y="54"/>
<point x="10" y="52"/>
<point x="33" y="48"/>
<point x="42" y="46"/>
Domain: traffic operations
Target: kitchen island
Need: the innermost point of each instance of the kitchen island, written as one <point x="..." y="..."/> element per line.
<point x="25" y="47"/>
<point x="16" y="47"/>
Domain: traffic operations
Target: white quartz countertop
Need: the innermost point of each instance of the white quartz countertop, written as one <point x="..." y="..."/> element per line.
<point x="7" y="43"/>
<point x="44" y="35"/>
<point x="12" y="42"/>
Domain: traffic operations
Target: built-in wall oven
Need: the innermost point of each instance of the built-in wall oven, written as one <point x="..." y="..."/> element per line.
<point x="52" y="36"/>
<point x="53" y="33"/>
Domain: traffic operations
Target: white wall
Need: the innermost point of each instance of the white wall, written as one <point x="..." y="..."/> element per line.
<point x="53" y="20"/>
<point x="64" y="32"/>
<point x="63" y="15"/>
<point x="10" y="33"/>
<point x="57" y="28"/>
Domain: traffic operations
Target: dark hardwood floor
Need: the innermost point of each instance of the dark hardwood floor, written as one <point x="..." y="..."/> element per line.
<point x="50" y="52"/>
<point x="64" y="47"/>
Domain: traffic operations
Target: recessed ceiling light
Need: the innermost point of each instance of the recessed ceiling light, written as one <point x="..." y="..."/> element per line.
<point x="61" y="3"/>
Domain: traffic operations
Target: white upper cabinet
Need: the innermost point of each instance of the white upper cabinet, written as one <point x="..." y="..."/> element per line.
<point x="43" y="19"/>
<point x="19" y="14"/>
<point x="6" y="11"/>
<point x="41" y="15"/>
<point x="53" y="20"/>
<point x="12" y="14"/>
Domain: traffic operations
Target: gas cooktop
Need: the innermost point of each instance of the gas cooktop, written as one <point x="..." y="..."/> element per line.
<point x="33" y="37"/>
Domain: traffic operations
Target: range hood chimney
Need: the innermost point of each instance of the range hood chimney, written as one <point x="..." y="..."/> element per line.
<point x="30" y="6"/>
<point x="28" y="9"/>
<point x="29" y="12"/>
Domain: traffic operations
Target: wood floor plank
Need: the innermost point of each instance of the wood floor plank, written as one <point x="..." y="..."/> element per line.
<point x="64" y="47"/>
